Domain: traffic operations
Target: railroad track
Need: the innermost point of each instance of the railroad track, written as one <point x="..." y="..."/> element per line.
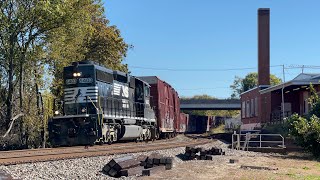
<point x="52" y="154"/>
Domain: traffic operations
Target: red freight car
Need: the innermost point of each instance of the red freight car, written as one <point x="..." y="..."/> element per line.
<point x="167" y="105"/>
<point x="176" y="110"/>
<point x="198" y="124"/>
<point x="182" y="123"/>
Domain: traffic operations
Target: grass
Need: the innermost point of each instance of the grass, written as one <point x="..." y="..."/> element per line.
<point x="291" y="175"/>
<point x="219" y="129"/>
<point x="312" y="177"/>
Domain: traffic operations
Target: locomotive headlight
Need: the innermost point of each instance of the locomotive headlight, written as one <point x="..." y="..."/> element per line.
<point x="83" y="110"/>
<point x="76" y="74"/>
<point x="56" y="112"/>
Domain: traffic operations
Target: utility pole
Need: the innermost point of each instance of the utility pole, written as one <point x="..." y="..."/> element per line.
<point x="282" y="93"/>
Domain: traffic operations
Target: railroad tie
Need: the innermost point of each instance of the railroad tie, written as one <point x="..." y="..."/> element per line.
<point x="192" y="153"/>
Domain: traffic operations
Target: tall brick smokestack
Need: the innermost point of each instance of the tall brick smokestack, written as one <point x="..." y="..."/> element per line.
<point x="263" y="46"/>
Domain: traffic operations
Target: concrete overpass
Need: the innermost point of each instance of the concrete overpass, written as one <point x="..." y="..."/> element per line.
<point x="210" y="104"/>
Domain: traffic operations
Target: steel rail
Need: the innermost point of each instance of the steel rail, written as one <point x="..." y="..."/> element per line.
<point x="13" y="153"/>
<point x="108" y="150"/>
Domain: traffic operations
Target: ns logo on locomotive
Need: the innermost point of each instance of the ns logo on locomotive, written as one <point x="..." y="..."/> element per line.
<point x="102" y="106"/>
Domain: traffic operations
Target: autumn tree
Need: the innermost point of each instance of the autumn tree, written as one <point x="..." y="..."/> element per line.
<point x="39" y="38"/>
<point x="250" y="81"/>
<point x="88" y="38"/>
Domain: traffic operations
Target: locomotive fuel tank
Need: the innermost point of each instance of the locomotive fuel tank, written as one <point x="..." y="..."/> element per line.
<point x="130" y="132"/>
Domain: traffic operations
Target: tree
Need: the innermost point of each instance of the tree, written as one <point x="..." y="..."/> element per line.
<point x="24" y="25"/>
<point x="250" y="81"/>
<point x="39" y="38"/>
<point x="106" y="46"/>
<point x="90" y="37"/>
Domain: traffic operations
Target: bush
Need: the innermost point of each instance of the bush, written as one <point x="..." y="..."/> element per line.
<point x="306" y="132"/>
<point x="276" y="129"/>
<point x="315" y="109"/>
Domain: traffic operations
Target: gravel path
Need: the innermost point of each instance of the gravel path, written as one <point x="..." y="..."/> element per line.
<point x="90" y="168"/>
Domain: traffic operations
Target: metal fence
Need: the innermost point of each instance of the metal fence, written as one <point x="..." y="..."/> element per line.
<point x="243" y="141"/>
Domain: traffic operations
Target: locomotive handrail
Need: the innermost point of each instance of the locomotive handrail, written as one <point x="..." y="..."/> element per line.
<point x="94" y="106"/>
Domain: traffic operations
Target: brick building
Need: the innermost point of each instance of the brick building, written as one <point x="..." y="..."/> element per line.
<point x="263" y="104"/>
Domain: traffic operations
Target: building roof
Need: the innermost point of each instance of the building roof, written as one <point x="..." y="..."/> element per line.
<point x="301" y="79"/>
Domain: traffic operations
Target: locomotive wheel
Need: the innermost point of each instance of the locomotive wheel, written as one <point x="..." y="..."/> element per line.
<point x="110" y="140"/>
<point x="100" y="142"/>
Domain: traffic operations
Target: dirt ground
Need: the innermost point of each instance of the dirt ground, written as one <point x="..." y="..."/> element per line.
<point x="292" y="166"/>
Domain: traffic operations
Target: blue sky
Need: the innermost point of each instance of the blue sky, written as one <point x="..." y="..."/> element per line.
<point x="210" y="34"/>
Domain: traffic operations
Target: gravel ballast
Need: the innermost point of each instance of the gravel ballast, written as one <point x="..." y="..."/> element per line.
<point x="90" y="168"/>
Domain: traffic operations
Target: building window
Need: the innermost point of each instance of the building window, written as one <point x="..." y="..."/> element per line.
<point x="252" y="108"/>
<point x="256" y="106"/>
<point x="243" y="109"/>
<point x="248" y="109"/>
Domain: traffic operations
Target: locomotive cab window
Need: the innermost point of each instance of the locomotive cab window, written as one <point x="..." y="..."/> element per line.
<point x="120" y="77"/>
<point x="104" y="77"/>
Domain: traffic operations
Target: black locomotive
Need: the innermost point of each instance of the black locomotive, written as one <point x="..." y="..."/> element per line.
<point x="102" y="106"/>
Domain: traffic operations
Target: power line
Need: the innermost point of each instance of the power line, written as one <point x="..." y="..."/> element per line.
<point x="227" y="69"/>
<point x="175" y="69"/>
<point x="302" y="67"/>
<point x="284" y="70"/>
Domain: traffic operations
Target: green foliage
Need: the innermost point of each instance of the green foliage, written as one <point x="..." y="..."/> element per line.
<point x="306" y="168"/>
<point x="88" y="36"/>
<point x="106" y="46"/>
<point x="219" y="129"/>
<point x="203" y="96"/>
<point x="277" y="129"/>
<point x="250" y="81"/>
<point x="39" y="38"/>
<point x="314" y="101"/>
<point x="306" y="132"/>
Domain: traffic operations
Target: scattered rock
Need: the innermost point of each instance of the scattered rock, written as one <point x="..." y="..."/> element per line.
<point x="90" y="168"/>
<point x="232" y="161"/>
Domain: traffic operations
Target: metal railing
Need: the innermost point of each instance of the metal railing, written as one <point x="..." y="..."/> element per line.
<point x="244" y="140"/>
